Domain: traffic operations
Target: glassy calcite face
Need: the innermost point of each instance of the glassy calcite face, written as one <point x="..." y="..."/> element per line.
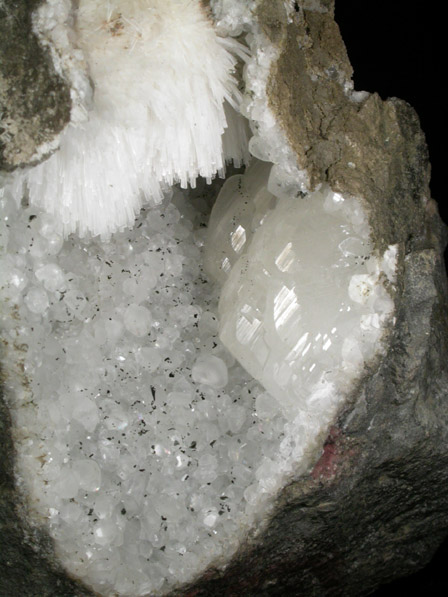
<point x="302" y="305"/>
<point x="243" y="203"/>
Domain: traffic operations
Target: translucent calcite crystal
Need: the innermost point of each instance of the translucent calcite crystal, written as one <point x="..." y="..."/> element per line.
<point x="303" y="303"/>
<point x="243" y="203"/>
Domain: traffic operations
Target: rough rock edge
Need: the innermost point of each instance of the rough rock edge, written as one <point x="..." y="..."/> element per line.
<point x="27" y="563"/>
<point x="360" y="145"/>
<point x="375" y="506"/>
<point x="34" y="108"/>
<point x="34" y="101"/>
<point x="368" y="512"/>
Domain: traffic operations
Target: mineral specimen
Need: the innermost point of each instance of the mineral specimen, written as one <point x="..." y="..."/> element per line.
<point x="282" y="430"/>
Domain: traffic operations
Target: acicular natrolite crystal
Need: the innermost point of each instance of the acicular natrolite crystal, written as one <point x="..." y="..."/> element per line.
<point x="219" y="393"/>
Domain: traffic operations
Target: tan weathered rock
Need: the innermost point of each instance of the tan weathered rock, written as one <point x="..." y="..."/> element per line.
<point x="364" y="147"/>
<point x="34" y="100"/>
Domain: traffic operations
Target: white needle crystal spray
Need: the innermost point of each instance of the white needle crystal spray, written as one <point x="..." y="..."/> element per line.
<point x="164" y="94"/>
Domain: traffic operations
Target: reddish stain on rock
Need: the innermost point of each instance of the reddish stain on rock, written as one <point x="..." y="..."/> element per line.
<point x="328" y="463"/>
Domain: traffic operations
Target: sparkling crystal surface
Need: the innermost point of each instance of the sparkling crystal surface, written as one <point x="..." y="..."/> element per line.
<point x="302" y="303"/>
<point x="143" y="445"/>
<point x="137" y="431"/>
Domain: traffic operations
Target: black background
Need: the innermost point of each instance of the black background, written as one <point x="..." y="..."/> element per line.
<point x="398" y="49"/>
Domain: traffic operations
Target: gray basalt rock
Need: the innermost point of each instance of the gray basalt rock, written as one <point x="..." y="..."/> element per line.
<point x="34" y="100"/>
<point x="375" y="505"/>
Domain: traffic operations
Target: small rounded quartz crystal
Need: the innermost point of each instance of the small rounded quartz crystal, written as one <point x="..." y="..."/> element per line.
<point x="137" y="320"/>
<point x="37" y="300"/>
<point x="211" y="371"/>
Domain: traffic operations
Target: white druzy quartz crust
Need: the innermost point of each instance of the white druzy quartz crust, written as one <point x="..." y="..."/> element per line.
<point x="137" y="431"/>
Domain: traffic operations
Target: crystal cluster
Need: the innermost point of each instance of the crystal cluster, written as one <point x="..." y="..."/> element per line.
<point x="147" y="449"/>
<point x="165" y="108"/>
<point x="145" y="441"/>
<point x="141" y="441"/>
<point x="303" y="303"/>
